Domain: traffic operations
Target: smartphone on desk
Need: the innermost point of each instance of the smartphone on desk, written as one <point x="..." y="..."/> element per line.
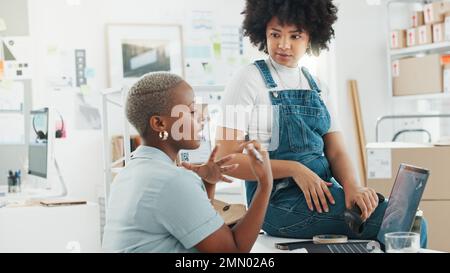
<point x="57" y="203"/>
<point x="292" y="245"/>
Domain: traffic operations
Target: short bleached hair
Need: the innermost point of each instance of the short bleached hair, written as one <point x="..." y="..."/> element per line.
<point x="150" y="95"/>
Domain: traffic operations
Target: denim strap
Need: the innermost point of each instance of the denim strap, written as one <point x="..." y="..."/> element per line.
<point x="310" y="79"/>
<point x="265" y="73"/>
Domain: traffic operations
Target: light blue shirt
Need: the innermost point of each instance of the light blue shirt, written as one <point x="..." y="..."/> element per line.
<point x="155" y="206"/>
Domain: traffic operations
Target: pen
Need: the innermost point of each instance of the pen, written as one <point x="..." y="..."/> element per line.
<point x="257" y="155"/>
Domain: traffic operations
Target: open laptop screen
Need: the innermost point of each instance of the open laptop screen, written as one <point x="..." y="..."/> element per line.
<point x="404" y="200"/>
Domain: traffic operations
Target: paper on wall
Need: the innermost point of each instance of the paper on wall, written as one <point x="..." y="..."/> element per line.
<point x="11" y="96"/>
<point x="379" y="164"/>
<point x="16" y="54"/>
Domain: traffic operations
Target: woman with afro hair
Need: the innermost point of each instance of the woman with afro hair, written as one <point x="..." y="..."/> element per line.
<point x="280" y="105"/>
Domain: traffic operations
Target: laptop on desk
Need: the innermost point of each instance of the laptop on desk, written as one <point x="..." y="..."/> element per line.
<point x="399" y="215"/>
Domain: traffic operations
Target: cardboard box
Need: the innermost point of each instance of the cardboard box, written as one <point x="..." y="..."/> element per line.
<point x="439" y="33"/>
<point x="384" y="159"/>
<point x="417" y="19"/>
<point x="417" y="76"/>
<point x="437" y="214"/>
<point x="434" y="12"/>
<point x="398" y="39"/>
<point x="446" y="78"/>
<point x="425" y="34"/>
<point x="411" y="37"/>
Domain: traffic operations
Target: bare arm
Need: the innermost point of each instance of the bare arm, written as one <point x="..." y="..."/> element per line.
<point x="343" y="171"/>
<point x="339" y="160"/>
<point x="210" y="190"/>
<point x="313" y="187"/>
<point x="242" y="237"/>
<point x="280" y="168"/>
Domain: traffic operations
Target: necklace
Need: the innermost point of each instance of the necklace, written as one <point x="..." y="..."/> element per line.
<point x="285" y="86"/>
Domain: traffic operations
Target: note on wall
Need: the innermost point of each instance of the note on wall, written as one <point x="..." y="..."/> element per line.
<point x="379" y="163"/>
<point x="11" y="96"/>
<point x="11" y="116"/>
<point x="16" y="54"/>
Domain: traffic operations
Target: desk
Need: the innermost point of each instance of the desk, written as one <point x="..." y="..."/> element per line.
<point x="266" y="244"/>
<point x="55" y="229"/>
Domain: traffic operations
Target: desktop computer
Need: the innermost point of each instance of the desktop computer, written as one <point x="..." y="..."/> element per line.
<point x="42" y="166"/>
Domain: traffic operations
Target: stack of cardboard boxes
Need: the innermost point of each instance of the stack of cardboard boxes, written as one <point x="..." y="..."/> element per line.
<point x="431" y="25"/>
<point x="429" y="74"/>
<point x="384" y="160"/>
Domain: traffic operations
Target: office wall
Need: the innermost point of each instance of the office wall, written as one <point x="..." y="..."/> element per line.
<point x="360" y="54"/>
<point x="17" y="21"/>
<point x="55" y="24"/>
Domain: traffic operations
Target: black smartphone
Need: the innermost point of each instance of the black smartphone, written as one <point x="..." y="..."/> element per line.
<point x="292" y="245"/>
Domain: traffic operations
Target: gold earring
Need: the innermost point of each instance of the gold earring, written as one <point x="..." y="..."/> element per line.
<point x="163" y="135"/>
<point x="309" y="48"/>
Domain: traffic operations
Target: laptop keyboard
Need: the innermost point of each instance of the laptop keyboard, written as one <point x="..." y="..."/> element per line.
<point x="348" y="248"/>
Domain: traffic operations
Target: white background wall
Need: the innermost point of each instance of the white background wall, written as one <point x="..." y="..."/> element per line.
<point x="358" y="52"/>
<point x="54" y="23"/>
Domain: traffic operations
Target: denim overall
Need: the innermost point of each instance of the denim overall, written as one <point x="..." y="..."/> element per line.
<point x="303" y="119"/>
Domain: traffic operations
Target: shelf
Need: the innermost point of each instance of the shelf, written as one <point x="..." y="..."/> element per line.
<point x="411" y="51"/>
<point x="423" y="97"/>
<point x="11" y="111"/>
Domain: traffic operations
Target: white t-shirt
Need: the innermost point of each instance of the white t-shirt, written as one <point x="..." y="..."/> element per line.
<point x="246" y="104"/>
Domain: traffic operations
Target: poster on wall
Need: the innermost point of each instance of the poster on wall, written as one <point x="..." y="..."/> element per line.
<point x="11" y="97"/>
<point x="11" y="112"/>
<point x="16" y="55"/>
<point x="87" y="115"/>
<point x="137" y="49"/>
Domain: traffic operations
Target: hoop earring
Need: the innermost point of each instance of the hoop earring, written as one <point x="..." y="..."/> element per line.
<point x="163" y="135"/>
<point x="308" y="49"/>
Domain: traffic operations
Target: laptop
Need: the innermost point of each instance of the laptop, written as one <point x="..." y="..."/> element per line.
<point x="399" y="216"/>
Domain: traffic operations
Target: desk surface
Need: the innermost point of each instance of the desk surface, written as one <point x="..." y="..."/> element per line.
<point x="266" y="244"/>
<point x="34" y="228"/>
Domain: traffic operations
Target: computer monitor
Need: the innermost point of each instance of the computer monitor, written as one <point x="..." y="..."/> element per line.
<point x="38" y="148"/>
<point x="43" y="169"/>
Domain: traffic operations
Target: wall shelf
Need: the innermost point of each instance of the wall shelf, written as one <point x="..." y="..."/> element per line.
<point x="423" y="97"/>
<point x="422" y="49"/>
<point x="396" y="54"/>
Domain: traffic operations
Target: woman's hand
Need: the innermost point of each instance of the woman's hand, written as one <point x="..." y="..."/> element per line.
<point x="262" y="170"/>
<point x="314" y="188"/>
<point x="212" y="171"/>
<point x="365" y="198"/>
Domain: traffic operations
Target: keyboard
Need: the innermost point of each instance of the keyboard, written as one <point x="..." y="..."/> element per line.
<point x="348" y="248"/>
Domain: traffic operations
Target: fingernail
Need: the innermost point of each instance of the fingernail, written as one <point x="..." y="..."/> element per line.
<point x="326" y="210"/>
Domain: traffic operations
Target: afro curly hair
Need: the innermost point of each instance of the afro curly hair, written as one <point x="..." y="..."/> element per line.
<point x="314" y="16"/>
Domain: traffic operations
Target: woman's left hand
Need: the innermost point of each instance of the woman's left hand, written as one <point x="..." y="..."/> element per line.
<point x="365" y="198"/>
<point x="212" y="171"/>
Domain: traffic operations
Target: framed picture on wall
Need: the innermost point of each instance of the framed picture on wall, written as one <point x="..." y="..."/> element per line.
<point x="137" y="49"/>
